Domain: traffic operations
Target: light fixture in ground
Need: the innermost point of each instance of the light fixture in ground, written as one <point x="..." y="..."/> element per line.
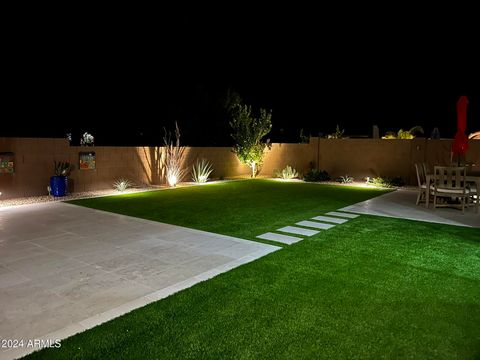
<point x="172" y="180"/>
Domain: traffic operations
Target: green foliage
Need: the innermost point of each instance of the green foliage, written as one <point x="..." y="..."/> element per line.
<point x="62" y="168"/>
<point x="404" y="134"/>
<point x="386" y="182"/>
<point x="346" y="179"/>
<point x="201" y="171"/>
<point x="338" y="134"/>
<point x="315" y="175"/>
<point x="248" y="133"/>
<point x="122" y="184"/>
<point x="287" y="173"/>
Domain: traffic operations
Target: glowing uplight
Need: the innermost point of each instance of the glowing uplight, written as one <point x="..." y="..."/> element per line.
<point x="172" y="180"/>
<point x="287" y="180"/>
<point x="202" y="178"/>
<point x="210" y="182"/>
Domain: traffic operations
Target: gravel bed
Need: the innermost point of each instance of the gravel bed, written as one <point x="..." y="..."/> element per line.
<point x="72" y="196"/>
<point x="95" y="193"/>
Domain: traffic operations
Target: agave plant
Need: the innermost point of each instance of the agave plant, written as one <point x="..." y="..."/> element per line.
<point x="122" y="184"/>
<point x="346" y="179"/>
<point x="201" y="171"/>
<point x="287" y="173"/>
<point x="62" y="168"/>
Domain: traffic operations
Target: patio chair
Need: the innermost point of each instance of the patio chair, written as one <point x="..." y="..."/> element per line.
<point x="449" y="182"/>
<point x="425" y="168"/>
<point x="421" y="180"/>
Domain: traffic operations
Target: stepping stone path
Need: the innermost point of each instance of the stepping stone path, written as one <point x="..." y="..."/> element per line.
<point x="297" y="230"/>
<point x="330" y="219"/>
<point x="285" y="239"/>
<point x="345" y="215"/>
<point x="314" y="224"/>
<point x="323" y="223"/>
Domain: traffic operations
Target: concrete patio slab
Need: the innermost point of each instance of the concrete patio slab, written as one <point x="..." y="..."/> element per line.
<point x="284" y="239"/>
<point x="65" y="268"/>
<point x="314" y="224"/>
<point x="342" y="214"/>
<point x="401" y="204"/>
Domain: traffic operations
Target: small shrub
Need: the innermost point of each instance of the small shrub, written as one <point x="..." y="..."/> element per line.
<point x="122" y="184"/>
<point x="287" y="173"/>
<point x="386" y="182"/>
<point x="397" y="181"/>
<point x="316" y="175"/>
<point x="201" y="171"/>
<point x="346" y="179"/>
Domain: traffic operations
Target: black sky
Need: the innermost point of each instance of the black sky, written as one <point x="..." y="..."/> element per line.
<point x="125" y="75"/>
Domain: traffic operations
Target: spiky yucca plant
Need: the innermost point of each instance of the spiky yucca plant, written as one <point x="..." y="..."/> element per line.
<point x="122" y="184"/>
<point x="173" y="162"/>
<point x="287" y="173"/>
<point x="201" y="171"/>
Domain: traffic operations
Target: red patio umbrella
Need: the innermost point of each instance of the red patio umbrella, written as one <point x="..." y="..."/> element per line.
<point x="460" y="144"/>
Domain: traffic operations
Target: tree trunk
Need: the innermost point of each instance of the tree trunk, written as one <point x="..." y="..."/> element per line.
<point x="253" y="166"/>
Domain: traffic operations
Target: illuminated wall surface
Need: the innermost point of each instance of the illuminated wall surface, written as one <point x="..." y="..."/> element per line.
<point x="26" y="164"/>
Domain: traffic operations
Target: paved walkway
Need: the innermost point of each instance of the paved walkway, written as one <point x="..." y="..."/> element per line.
<point x="401" y="204"/>
<point x="65" y="268"/>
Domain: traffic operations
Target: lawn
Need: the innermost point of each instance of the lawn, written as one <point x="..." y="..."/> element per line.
<point x="370" y="288"/>
<point x="243" y="209"/>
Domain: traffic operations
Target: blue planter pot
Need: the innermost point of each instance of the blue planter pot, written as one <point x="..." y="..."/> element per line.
<point x="59" y="185"/>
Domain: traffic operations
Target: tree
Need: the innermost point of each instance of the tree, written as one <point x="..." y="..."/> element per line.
<point x="248" y="133"/>
<point x="404" y="134"/>
<point x="338" y="134"/>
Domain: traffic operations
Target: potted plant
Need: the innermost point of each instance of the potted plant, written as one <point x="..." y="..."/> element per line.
<point x="59" y="182"/>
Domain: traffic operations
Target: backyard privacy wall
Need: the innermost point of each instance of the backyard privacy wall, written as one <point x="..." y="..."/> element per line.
<point x="33" y="161"/>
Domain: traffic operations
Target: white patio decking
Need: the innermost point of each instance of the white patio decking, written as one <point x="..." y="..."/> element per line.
<point x="401" y="204"/>
<point x="66" y="268"/>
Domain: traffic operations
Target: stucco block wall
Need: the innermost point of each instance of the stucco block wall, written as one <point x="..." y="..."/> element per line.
<point x="356" y="157"/>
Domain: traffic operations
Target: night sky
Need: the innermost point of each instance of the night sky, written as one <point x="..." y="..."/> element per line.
<point x="315" y="68"/>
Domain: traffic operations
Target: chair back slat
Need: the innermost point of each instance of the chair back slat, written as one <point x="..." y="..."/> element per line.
<point x="447" y="177"/>
<point x="421" y="176"/>
<point x="425" y="168"/>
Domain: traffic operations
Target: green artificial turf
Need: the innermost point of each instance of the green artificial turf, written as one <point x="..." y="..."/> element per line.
<point x="243" y="209"/>
<point x="370" y="288"/>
